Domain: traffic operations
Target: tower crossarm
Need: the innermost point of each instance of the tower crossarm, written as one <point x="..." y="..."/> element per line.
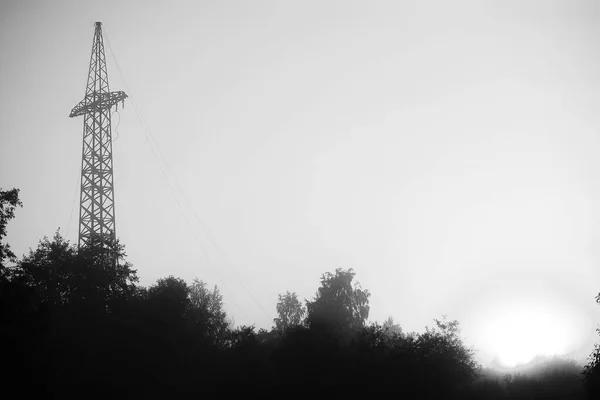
<point x="97" y="203"/>
<point x="98" y="101"/>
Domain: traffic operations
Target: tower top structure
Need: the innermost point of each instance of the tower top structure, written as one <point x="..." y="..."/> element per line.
<point x="96" y="209"/>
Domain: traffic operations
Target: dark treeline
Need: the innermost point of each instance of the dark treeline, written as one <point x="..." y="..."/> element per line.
<point x="76" y="323"/>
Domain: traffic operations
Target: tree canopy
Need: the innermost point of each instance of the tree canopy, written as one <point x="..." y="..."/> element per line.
<point x="206" y="308"/>
<point x="9" y="201"/>
<point x="74" y="318"/>
<point x="591" y="371"/>
<point x="290" y="312"/>
<point x="339" y="303"/>
<point x="91" y="276"/>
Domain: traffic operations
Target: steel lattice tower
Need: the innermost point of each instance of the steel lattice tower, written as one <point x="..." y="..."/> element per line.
<point x="97" y="210"/>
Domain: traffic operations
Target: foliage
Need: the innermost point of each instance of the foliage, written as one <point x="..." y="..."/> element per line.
<point x="51" y="269"/>
<point x="92" y="276"/>
<point x="542" y="378"/>
<point x="241" y="336"/>
<point x="338" y="303"/>
<point x="442" y="349"/>
<point x="9" y="200"/>
<point x="391" y="328"/>
<point x="76" y="318"/>
<point x="206" y="309"/>
<point x="290" y="312"/>
<point x="169" y="299"/>
<point x="591" y="371"/>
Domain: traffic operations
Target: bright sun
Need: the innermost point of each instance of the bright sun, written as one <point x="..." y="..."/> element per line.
<point x="519" y="334"/>
<point x="519" y="320"/>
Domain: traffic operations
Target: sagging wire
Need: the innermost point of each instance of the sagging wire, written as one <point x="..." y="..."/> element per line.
<point x="158" y="154"/>
<point x="119" y="122"/>
<point x="74" y="200"/>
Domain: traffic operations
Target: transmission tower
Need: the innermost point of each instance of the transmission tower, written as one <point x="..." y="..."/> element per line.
<point x="97" y="209"/>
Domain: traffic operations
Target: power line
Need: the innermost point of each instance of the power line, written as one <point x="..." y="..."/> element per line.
<point x="147" y="134"/>
<point x="158" y="154"/>
<point x="219" y="251"/>
<point x="74" y="200"/>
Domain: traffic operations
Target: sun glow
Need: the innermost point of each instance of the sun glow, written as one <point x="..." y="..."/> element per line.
<point x="518" y="335"/>
<point x="515" y="320"/>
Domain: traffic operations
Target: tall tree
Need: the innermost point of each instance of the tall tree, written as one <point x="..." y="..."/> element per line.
<point x="9" y="200"/>
<point x="105" y="272"/>
<point x="169" y="299"/>
<point x="93" y="276"/>
<point x="290" y="311"/>
<point x="591" y="371"/>
<point x="206" y="309"/>
<point x="51" y="270"/>
<point x="339" y="303"/>
<point x="391" y="328"/>
<point x="448" y="365"/>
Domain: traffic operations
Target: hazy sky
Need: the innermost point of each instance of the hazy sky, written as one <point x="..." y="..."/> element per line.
<point x="447" y="151"/>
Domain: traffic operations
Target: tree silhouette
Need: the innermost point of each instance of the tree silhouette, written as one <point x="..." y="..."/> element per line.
<point x="290" y="311"/>
<point x="169" y="300"/>
<point x="591" y="371"/>
<point x="73" y="318"/>
<point x="447" y="365"/>
<point x="338" y="303"/>
<point x="91" y="277"/>
<point x="391" y="328"/>
<point x="9" y="200"/>
<point x="206" y="309"/>
<point x="51" y="269"/>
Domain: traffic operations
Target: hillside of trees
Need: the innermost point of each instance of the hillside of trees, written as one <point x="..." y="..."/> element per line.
<point x="75" y="323"/>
